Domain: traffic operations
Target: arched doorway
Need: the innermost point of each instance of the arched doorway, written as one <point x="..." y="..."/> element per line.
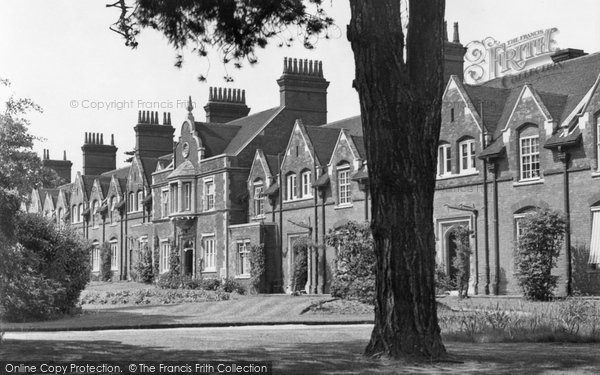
<point x="451" y="246"/>
<point x="188" y="258"/>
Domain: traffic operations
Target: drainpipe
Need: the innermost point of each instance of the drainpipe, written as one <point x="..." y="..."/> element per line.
<point x="494" y="171"/>
<point x="324" y="255"/>
<point x="564" y="158"/>
<point x="318" y="277"/>
<point x="281" y="216"/>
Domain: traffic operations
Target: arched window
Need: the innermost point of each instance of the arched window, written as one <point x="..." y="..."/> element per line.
<point x="467" y="155"/>
<point x="114" y="254"/>
<point x="529" y="153"/>
<point x="95" y="213"/>
<point x="140" y="200"/>
<point x="291" y="187"/>
<point x="306" y="178"/>
<point x="113" y="203"/>
<point x="344" y="186"/>
<point x="444" y="167"/>
<point x="259" y="198"/>
<point x="131" y="202"/>
<point x="518" y="217"/>
<point x="80" y="213"/>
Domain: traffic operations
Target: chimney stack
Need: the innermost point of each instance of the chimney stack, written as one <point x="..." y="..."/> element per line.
<point x="61" y="167"/>
<point x="454" y="53"/>
<point x="225" y="104"/>
<point x="151" y="138"/>
<point x="303" y="88"/>
<point x="98" y="157"/>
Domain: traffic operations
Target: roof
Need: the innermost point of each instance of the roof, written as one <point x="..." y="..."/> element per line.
<point x="362" y="174"/>
<point x="323" y="141"/>
<point x="184" y="169"/>
<point x="352" y="124"/>
<point x="571" y="78"/>
<point x="273" y="163"/>
<point x="250" y="126"/>
<point x="494" y="150"/>
<point x="104" y="184"/>
<point x="148" y="167"/>
<point x="322" y="181"/>
<point x="122" y="183"/>
<point x="564" y="138"/>
<point x="88" y="183"/>
<point x="489" y="102"/>
<point x="215" y="137"/>
<point x="119" y="173"/>
<point x="274" y="188"/>
<point x="359" y="142"/>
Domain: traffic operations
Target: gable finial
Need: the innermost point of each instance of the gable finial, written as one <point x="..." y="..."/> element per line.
<point x="190" y="107"/>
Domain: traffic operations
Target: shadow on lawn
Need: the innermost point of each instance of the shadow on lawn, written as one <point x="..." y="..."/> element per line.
<point x="328" y="357"/>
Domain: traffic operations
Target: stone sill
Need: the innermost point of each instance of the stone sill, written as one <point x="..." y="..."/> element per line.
<point x="342" y="206"/>
<point x="299" y="199"/>
<point x="241" y="277"/>
<point x="451" y="176"/>
<point x="529" y="182"/>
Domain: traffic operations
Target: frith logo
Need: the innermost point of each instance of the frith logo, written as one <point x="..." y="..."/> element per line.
<point x="489" y="59"/>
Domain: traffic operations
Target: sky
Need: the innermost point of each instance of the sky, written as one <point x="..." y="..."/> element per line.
<point x="62" y="55"/>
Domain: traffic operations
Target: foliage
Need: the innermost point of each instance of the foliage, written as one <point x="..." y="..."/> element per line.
<point x="257" y="267"/>
<point x="354" y="274"/>
<point x="20" y="168"/>
<point x="44" y="272"/>
<point x="536" y="252"/>
<point x="570" y="320"/>
<point x="156" y="259"/>
<point x="443" y="282"/>
<point x="152" y="296"/>
<point x="301" y="247"/>
<point x="230" y="285"/>
<point x="174" y="261"/>
<point x="144" y="267"/>
<point x="105" y="262"/>
<point x="462" y="260"/>
<point x="235" y="28"/>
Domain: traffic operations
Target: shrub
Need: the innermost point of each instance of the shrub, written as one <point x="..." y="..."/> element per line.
<point x="536" y="252"/>
<point x="144" y="266"/>
<point x="257" y="268"/>
<point x="354" y="274"/>
<point x="231" y="285"/>
<point x="443" y="283"/>
<point x="156" y="258"/>
<point x="462" y="260"/>
<point x="300" y="276"/>
<point x="105" y="262"/>
<point x="43" y="274"/>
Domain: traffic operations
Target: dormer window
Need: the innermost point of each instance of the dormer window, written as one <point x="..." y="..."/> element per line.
<point x="467" y="155"/>
<point x="259" y="198"/>
<point x="306" y="184"/>
<point x="344" y="186"/>
<point x="444" y="167"/>
<point x="529" y="157"/>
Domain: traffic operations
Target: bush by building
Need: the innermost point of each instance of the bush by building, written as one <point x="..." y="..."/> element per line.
<point x="43" y="271"/>
<point x="354" y="274"/>
<point x="144" y="267"/>
<point x="105" y="262"/>
<point x="257" y="268"/>
<point x="536" y="252"/>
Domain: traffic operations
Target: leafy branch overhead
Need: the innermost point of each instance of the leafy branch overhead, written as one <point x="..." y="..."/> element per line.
<point x="234" y="27"/>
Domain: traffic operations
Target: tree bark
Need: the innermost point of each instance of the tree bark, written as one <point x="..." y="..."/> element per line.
<point x="400" y="109"/>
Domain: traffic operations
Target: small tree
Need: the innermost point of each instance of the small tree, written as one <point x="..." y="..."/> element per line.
<point x="462" y="260"/>
<point x="354" y="275"/>
<point x="156" y="259"/>
<point x="105" y="259"/>
<point x="300" y="248"/>
<point x="536" y="252"/>
<point x="174" y="262"/>
<point x="257" y="267"/>
<point x="144" y="265"/>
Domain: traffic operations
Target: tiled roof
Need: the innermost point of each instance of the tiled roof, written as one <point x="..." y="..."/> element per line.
<point x="322" y="181"/>
<point x="362" y="174"/>
<point x="273" y="164"/>
<point x="88" y="183"/>
<point x="323" y="140"/>
<point x="216" y="137"/>
<point x="104" y="184"/>
<point x="490" y="101"/>
<point x="564" y="138"/>
<point x="555" y="103"/>
<point x="148" y="167"/>
<point x="494" y="150"/>
<point x="352" y="124"/>
<point x="572" y="78"/>
<point x="273" y="189"/>
<point x="250" y="126"/>
<point x="184" y="169"/>
<point x="359" y="142"/>
<point x="119" y="173"/>
<point x="122" y="184"/>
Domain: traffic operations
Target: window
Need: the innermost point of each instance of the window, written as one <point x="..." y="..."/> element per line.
<point x="444" y="160"/>
<point x="243" y="253"/>
<point x="594" y="258"/>
<point x="80" y="213"/>
<point x="112" y="207"/>
<point x="518" y="227"/>
<point x="139" y="201"/>
<point x="467" y="155"/>
<point x="187" y="196"/>
<point x="259" y="199"/>
<point x="114" y="254"/>
<point x="131" y="203"/>
<point x="164" y="201"/>
<point x="291" y="188"/>
<point x="306" y="184"/>
<point x="173" y="198"/>
<point x="60" y="216"/>
<point x="451" y="114"/>
<point x="209" y="195"/>
<point x="598" y="139"/>
<point x="209" y="255"/>
<point x="96" y="257"/>
<point x="95" y="213"/>
<point x="530" y="157"/>
<point x="344" y="189"/>
<point x="165" y="252"/>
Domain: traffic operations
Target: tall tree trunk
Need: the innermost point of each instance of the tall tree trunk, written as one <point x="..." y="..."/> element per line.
<point x="400" y="110"/>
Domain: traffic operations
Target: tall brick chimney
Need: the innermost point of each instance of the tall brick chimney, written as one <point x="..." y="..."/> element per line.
<point x="61" y="167"/>
<point x="303" y="88"/>
<point x="454" y="53"/>
<point x="225" y="105"/>
<point x="98" y="157"/>
<point x="151" y="138"/>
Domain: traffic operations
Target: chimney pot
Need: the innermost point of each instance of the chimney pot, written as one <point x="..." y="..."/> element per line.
<point x="139" y="117"/>
<point x="456" y="38"/>
<point x="101" y="139"/>
<point x="64" y="154"/>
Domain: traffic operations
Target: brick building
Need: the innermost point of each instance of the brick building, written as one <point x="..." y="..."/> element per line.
<point x="271" y="177"/>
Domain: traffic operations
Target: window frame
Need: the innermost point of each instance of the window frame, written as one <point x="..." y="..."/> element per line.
<point x="291" y="187"/>
<point x="114" y="251"/>
<point x="469" y="157"/>
<point x="345" y="193"/>
<point x="532" y="156"/>
<point x="95" y="256"/>
<point x="209" y="199"/>
<point x="209" y="263"/>
<point x="165" y="252"/>
<point x="258" y="199"/>
<point x="306" y="183"/>
<point x="164" y="203"/>
<point x="186" y="196"/>
<point x="243" y="261"/>
<point x="139" y="201"/>
<point x="173" y="197"/>
<point x="444" y="160"/>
